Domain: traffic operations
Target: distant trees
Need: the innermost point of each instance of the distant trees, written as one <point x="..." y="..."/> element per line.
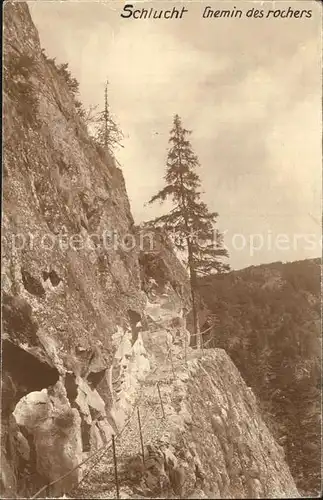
<point x="275" y="342"/>
<point x="189" y="223"/>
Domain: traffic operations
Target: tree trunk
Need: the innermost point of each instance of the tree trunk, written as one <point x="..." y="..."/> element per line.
<point x="193" y="284"/>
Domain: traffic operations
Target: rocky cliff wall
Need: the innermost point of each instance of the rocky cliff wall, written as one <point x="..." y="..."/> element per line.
<point x="81" y="338"/>
<point x="69" y="280"/>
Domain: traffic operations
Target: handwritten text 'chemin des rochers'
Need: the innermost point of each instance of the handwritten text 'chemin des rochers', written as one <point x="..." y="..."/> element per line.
<point x="207" y="12"/>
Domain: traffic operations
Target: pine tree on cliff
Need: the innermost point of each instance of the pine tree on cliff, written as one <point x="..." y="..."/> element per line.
<point x="107" y="133"/>
<point x="189" y="223"/>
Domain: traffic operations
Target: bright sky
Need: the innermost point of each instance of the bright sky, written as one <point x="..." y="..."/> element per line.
<point x="250" y="89"/>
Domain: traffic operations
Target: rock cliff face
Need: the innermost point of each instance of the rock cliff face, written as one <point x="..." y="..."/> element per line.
<point x="87" y="315"/>
<point x="69" y="280"/>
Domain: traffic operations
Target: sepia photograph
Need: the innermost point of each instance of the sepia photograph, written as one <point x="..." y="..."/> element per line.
<point x="161" y="249"/>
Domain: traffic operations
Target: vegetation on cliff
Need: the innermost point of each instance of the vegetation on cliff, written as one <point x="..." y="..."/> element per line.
<point x="106" y="133"/>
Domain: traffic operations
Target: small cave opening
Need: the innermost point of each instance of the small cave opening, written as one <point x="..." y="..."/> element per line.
<point x="95" y="414"/>
<point x="62" y="166"/>
<point x="94" y="378"/>
<point x="17" y="320"/>
<point x="26" y="371"/>
<point x="53" y="276"/>
<point x="86" y="436"/>
<point x="32" y="285"/>
<point x="134" y="319"/>
<point x="37" y="184"/>
<point x="86" y="204"/>
<point x="84" y="224"/>
<point x="71" y="387"/>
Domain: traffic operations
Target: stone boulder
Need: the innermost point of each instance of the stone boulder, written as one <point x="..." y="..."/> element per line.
<point x="51" y="428"/>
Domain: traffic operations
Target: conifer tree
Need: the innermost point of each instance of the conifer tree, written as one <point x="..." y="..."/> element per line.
<point x="189" y="223"/>
<point x="106" y="131"/>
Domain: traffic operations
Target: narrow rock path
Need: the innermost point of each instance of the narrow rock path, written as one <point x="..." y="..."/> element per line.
<point x="156" y="421"/>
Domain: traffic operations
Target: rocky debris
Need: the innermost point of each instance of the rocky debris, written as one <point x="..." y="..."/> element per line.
<point x="155" y="476"/>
